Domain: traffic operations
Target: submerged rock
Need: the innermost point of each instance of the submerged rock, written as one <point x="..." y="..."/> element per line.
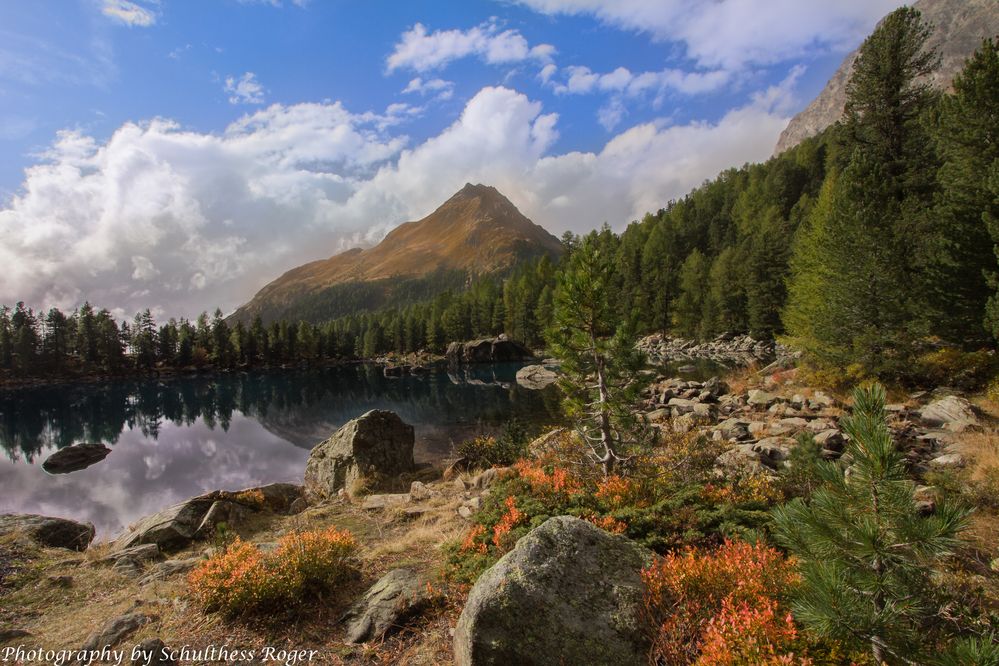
<point x="74" y="458"/>
<point x="49" y="531"/>
<point x="568" y="593"/>
<point x="377" y="444"/>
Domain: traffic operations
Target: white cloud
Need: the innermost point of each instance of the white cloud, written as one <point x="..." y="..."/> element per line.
<point x="158" y="216"/>
<point x="439" y="88"/>
<point x="244" y="90"/>
<point x="731" y="34"/>
<point x="129" y="13"/>
<point x="581" y="80"/>
<point x="422" y="51"/>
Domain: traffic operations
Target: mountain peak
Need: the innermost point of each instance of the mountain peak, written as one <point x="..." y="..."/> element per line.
<point x="476" y="231"/>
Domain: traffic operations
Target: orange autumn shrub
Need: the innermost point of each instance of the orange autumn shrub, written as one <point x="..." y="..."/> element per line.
<point x="542" y="482"/>
<point x="470" y="543"/>
<point x="618" y="491"/>
<point x="512" y="518"/>
<point x="609" y="523"/>
<point x="746" y="634"/>
<point x="242" y="579"/>
<point x="694" y="597"/>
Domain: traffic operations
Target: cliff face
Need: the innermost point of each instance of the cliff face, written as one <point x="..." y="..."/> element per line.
<point x="959" y="28"/>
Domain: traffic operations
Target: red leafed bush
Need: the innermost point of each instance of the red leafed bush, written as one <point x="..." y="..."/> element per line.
<point x="721" y="606"/>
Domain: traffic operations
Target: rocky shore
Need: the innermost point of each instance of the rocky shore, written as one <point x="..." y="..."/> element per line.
<point x="728" y="349"/>
<point x="571" y="578"/>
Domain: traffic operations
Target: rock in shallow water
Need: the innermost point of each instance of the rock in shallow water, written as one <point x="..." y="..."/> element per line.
<point x="74" y="458"/>
<point x="568" y="593"/>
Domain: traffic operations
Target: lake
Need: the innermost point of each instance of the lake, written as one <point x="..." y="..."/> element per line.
<point x="175" y="438"/>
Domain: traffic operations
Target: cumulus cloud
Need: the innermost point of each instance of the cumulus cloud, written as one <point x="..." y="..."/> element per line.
<point x="159" y="216"/>
<point x="421" y="51"/>
<point x="731" y="34"/>
<point x="581" y="80"/>
<point x="244" y="90"/>
<point x="439" y="88"/>
<point x="128" y="13"/>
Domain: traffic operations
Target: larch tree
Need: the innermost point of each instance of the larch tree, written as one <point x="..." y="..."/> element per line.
<point x="601" y="368"/>
<point x="863" y="266"/>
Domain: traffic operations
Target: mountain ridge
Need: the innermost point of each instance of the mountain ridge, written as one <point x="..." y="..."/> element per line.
<point x="476" y="231"/>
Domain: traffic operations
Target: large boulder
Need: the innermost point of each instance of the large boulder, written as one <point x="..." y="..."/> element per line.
<point x="488" y="350"/>
<point x="377" y="444"/>
<point x="568" y="593"/>
<point x="397" y="596"/>
<point x="48" y="531"/>
<point x="176" y="526"/>
<point x="75" y="458"/>
<point x="953" y="413"/>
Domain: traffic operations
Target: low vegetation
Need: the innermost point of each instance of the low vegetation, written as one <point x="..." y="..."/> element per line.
<point x="242" y="580"/>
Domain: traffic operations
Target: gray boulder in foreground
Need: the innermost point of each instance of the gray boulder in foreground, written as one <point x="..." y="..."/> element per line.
<point x="48" y="531"/>
<point x="376" y="444"/>
<point x="568" y="593"/>
<point x="397" y="596"/>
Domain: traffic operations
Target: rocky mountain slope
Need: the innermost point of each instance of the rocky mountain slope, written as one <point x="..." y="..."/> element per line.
<point x="476" y="231"/>
<point x="959" y="28"/>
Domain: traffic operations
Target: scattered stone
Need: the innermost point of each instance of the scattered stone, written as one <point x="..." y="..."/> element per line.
<point x="741" y="458"/>
<point x="165" y="570"/>
<point x="221" y="512"/>
<point x="170" y="529"/>
<point x="536" y="377"/>
<point x="74" y="458"/>
<point x="298" y="506"/>
<point x="831" y="439"/>
<point x="490" y="476"/>
<point x="49" y="531"/>
<point x="681" y="406"/>
<point x="7" y="635"/>
<point x="378" y="443"/>
<point x="568" y="593"/>
<point x="397" y="597"/>
<point x="117" y="630"/>
<point x="465" y="511"/>
<point x="137" y="555"/>
<point x="419" y="492"/>
<point x="952" y="413"/>
<point x="386" y="501"/>
<point x="758" y="398"/>
<point x="658" y="416"/>
<point x="948" y="460"/>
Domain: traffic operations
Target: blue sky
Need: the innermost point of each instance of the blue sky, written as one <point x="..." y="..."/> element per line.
<point x="179" y="155"/>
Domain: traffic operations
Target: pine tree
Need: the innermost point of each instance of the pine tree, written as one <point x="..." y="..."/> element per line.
<point x="688" y="316"/>
<point x="865" y="549"/>
<point x="864" y="287"/>
<point x="601" y="378"/>
<point x="968" y="142"/>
